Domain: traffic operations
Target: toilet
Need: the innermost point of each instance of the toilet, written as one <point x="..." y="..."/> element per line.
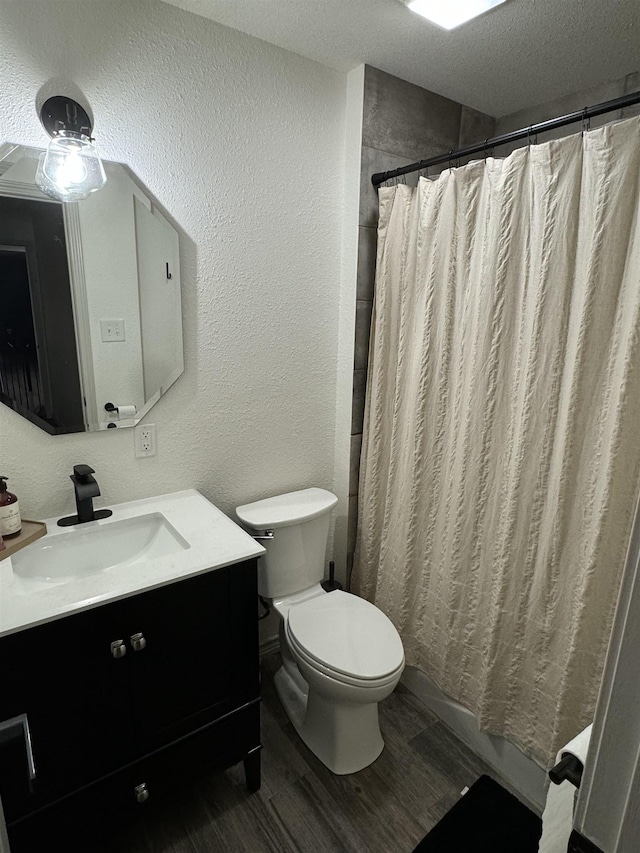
<point x="340" y="654"/>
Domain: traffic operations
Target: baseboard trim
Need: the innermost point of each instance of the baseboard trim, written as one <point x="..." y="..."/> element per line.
<point x="517" y="772"/>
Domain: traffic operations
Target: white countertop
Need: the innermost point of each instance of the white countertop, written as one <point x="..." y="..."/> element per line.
<point x="214" y="541"/>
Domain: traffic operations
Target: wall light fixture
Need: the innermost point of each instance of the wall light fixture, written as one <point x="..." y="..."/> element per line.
<point x="70" y="169"/>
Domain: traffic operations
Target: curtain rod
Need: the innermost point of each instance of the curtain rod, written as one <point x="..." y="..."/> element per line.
<point x="580" y="115"/>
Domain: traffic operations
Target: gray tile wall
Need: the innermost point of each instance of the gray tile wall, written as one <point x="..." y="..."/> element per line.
<point x="402" y="123"/>
<point x="568" y="104"/>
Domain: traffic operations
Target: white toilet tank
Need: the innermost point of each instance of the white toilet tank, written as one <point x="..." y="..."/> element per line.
<point x="295" y="556"/>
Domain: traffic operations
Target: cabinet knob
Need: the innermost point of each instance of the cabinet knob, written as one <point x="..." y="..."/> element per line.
<point x="138" y="642"/>
<point x="142" y="792"/>
<point x="118" y="649"/>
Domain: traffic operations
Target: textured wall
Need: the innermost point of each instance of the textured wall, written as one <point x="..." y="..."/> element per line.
<point x="242" y="143"/>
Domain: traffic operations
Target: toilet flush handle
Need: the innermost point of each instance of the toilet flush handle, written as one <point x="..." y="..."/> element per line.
<point x="268" y="534"/>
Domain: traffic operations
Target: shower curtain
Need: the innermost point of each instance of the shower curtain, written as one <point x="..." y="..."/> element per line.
<point x="501" y="452"/>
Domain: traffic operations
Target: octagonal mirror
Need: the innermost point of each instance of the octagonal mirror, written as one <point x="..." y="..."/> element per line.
<point x="90" y="305"/>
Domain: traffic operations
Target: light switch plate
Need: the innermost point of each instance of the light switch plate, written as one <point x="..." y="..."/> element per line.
<point x="112" y="330"/>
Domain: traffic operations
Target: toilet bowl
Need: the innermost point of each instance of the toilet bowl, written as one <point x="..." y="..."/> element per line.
<point x="340" y="654"/>
<point x="351" y="657"/>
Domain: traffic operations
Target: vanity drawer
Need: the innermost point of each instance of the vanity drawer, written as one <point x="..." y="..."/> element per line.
<point x="69" y="822"/>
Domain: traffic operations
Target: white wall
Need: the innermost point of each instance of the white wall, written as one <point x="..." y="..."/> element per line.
<point x="243" y="145"/>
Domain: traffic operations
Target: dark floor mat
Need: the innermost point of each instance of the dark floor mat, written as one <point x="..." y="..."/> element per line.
<point x="487" y="819"/>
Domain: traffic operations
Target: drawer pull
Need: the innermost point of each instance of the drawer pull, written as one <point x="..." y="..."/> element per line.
<point x="142" y="792"/>
<point x="118" y="649"/>
<point x="138" y="642"/>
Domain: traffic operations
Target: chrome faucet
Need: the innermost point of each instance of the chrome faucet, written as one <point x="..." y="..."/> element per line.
<point x="86" y="489"/>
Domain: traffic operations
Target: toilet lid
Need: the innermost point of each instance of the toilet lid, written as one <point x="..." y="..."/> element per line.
<point x="347" y="634"/>
<point x="288" y="509"/>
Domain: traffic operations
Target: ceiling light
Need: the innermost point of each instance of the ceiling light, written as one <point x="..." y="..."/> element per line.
<point x="70" y="169"/>
<point x="451" y="13"/>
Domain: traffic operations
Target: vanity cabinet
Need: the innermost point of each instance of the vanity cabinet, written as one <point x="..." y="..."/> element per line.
<point x="128" y="698"/>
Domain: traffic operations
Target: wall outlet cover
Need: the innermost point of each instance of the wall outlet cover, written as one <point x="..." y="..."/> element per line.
<point x="145" y="440"/>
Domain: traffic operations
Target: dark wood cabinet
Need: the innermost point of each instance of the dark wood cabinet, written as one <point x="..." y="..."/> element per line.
<point x="63" y="678"/>
<point x="128" y="698"/>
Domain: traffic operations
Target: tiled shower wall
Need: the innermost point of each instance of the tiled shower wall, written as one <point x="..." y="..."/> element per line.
<point x="402" y="123"/>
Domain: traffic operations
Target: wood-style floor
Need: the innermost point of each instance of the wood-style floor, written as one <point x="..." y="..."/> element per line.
<point x="388" y="807"/>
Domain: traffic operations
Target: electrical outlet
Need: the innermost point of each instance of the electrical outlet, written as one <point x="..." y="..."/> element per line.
<point x="145" y="439"/>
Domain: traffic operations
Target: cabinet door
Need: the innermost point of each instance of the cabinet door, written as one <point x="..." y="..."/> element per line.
<point x="186" y="674"/>
<point x="63" y="676"/>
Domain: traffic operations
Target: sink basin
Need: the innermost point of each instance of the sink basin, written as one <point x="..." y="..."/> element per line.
<point x="146" y="544"/>
<point x="92" y="548"/>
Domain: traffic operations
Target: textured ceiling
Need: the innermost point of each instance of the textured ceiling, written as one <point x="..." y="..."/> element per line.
<point x="520" y="54"/>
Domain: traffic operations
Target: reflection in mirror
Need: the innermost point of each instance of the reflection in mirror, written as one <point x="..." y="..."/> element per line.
<point x="90" y="308"/>
<point x="39" y="373"/>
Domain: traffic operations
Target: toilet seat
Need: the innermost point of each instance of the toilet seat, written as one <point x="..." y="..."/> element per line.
<point x="347" y="638"/>
<point x="351" y="680"/>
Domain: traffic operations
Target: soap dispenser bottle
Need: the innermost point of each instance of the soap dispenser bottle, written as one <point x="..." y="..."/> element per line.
<point x="10" y="523"/>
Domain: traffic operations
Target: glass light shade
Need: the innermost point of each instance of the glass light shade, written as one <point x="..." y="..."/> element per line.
<point x="70" y="169"/>
<point x="451" y="13"/>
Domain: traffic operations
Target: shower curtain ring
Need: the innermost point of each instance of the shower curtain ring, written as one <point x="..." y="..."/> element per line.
<point x="586" y="121"/>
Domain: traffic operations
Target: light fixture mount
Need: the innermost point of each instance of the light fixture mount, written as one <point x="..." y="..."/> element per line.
<point x="62" y="114"/>
<point x="70" y="169"/>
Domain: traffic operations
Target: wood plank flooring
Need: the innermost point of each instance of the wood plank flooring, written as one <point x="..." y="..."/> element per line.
<point x="302" y="807"/>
